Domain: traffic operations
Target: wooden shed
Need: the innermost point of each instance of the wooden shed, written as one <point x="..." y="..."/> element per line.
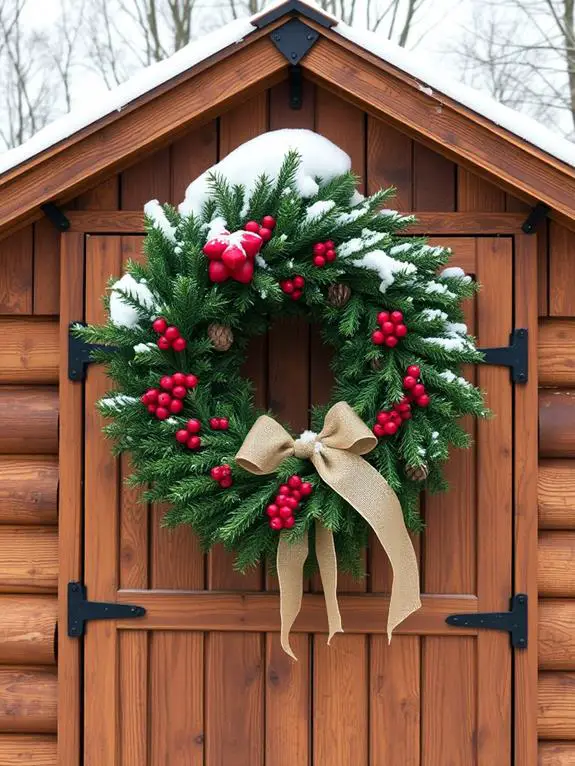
<point x="200" y="679"/>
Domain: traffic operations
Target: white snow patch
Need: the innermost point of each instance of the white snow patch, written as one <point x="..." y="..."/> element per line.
<point x="121" y="313"/>
<point x="451" y="344"/>
<point x="319" y="209"/>
<point x="154" y="210"/>
<point x="425" y="89"/>
<point x="320" y="158"/>
<point x="368" y="239"/>
<point x="452" y="271"/>
<point x="396" y="249"/>
<point x="422" y="451"/>
<point x="454" y="329"/>
<point x="310" y="437"/>
<point x="356" y="198"/>
<point x="261" y="263"/>
<point x="217" y="226"/>
<point x="434" y="436"/>
<point x="144" y="348"/>
<point x="451" y="377"/>
<point x="433" y="314"/>
<point x="352" y="216"/>
<point x="118" y="402"/>
<point x="385" y="266"/>
<point x="436" y="287"/>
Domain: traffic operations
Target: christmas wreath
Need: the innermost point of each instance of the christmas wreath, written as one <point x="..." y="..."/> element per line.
<point x="288" y="235"/>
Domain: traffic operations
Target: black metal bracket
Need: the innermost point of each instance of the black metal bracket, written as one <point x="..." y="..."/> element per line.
<point x="513" y="622"/>
<point x="295" y="6"/>
<point x="80" y="354"/>
<point x="294" y="39"/>
<point x="80" y="610"/>
<point x="295" y="87"/>
<point x="514" y="356"/>
<point x="55" y="216"/>
<point x="535" y="217"/>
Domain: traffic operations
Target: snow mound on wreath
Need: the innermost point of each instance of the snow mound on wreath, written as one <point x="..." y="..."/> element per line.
<point x="320" y="159"/>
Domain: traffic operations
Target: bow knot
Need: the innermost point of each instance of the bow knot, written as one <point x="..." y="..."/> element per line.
<point x="306" y="445"/>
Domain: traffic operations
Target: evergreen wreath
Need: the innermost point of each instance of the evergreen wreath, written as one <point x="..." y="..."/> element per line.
<point x="180" y="324"/>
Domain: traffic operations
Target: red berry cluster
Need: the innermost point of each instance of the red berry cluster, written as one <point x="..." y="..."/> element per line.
<point x="169" y="336"/>
<point x="169" y="400"/>
<point x="324" y="252"/>
<point x="293" y="287"/>
<point x="264" y="229"/>
<point x="415" y="388"/>
<point x="189" y="434"/>
<point x="223" y="475"/>
<point x="219" y="424"/>
<point x="389" y="421"/>
<point x="287" y="501"/>
<point x="391" y="329"/>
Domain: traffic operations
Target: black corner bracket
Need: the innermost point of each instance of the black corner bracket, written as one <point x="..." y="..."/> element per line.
<point x="513" y="622"/>
<point x="80" y="354"/>
<point x="80" y="610"/>
<point x="535" y="217"/>
<point x="294" y="39"/>
<point x="515" y="355"/>
<point x="294" y="6"/>
<point x="55" y="216"/>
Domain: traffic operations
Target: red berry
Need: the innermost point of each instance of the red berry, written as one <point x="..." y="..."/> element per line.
<point x="299" y="282"/>
<point x="390" y="428"/>
<point x="378" y="337"/>
<point x="423" y="401"/>
<point x="167" y="382"/>
<point x="276" y="523"/>
<point x="306" y="488"/>
<point x="404" y="406"/>
<point x="226" y="482"/>
<point x="395" y="417"/>
<point x="378" y="430"/>
<point x="289" y="522"/>
<point x="265" y="233"/>
<point x="400" y="330"/>
<point x="152" y="409"/>
<point x="418" y="390"/>
<point x="319" y="261"/>
<point x="396" y="317"/>
<point x="218" y="271"/>
<point x="391" y="341"/>
<point x="162" y="413"/>
<point x="287" y="286"/>
<point x="194" y="426"/>
<point x="172" y="333"/>
<point x="176" y="406"/>
<point x="414" y="371"/>
<point x="269" y="222"/>
<point x="296" y="494"/>
<point x="388" y="328"/>
<point x="252" y="226"/>
<point x="294" y="482"/>
<point x="214" y="424"/>
<point x="179" y="344"/>
<point x="272" y="510"/>
<point x="145" y="399"/>
<point x="382" y="417"/>
<point x="164" y="400"/>
<point x="382" y="317"/>
<point x="319" y="248"/>
<point x="226" y="470"/>
<point x="296" y="295"/>
<point x="292" y="503"/>
<point x="163" y="343"/>
<point x="284" y="489"/>
<point x="152" y="394"/>
<point x="159" y="325"/>
<point x="409" y="381"/>
<point x="179" y="391"/>
<point x="329" y="244"/>
<point x="224" y="424"/>
<point x="191" y="381"/>
<point x="330" y="255"/>
<point x="182" y="436"/>
<point x="216" y="472"/>
<point x="179" y="379"/>
<point x="281" y="498"/>
<point x="194" y="442"/>
<point x="285" y="511"/>
<point x="406" y="415"/>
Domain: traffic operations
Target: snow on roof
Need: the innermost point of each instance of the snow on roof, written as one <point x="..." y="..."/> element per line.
<point x="197" y="51"/>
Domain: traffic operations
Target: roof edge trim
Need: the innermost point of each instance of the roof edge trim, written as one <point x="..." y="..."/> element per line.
<point x="294" y="6"/>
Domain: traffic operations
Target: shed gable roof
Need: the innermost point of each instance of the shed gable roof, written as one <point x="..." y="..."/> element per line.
<point x="380" y="77"/>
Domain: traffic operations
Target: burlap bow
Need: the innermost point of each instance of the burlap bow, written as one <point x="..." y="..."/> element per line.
<point x="335" y="453"/>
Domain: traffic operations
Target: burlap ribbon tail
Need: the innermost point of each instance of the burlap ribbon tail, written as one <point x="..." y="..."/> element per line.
<point x="336" y="455"/>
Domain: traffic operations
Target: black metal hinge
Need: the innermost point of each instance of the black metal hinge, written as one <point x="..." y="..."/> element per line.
<point x="80" y="610"/>
<point x="80" y="354"/>
<point x="515" y="355"/>
<point x="513" y="622"/>
<point x="538" y="214"/>
<point x="56" y="217"/>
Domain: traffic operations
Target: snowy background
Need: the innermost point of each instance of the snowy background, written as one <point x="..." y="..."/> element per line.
<point x="60" y="54"/>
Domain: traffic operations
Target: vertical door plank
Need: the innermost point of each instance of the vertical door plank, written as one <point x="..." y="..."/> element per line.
<point x="16" y="272"/>
<point x="433" y="181"/>
<point x="340" y="703"/>
<point x="70" y="506"/>
<point x="133" y="701"/>
<point x="177" y="698"/>
<point x="104" y="196"/>
<point x="190" y="156"/>
<point x="543" y="268"/>
<point x="477" y="194"/>
<point x="390" y="163"/>
<point x="494" y="499"/>
<point x="103" y="259"/>
<point x="561" y="270"/>
<point x="46" y="268"/>
<point x="395" y="701"/>
<point x="149" y="179"/>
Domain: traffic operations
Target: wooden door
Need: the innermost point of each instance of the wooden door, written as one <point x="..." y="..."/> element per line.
<point x="201" y="678"/>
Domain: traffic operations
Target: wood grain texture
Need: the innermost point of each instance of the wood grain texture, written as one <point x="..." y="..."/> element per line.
<point x="149" y="178"/>
<point x="475" y="193"/>
<point x="433" y="180"/>
<point x="29" y="351"/>
<point x="390" y="162"/>
<point x="556" y="423"/>
<point x="46" y="268"/>
<point x="543" y="269"/>
<point x="556" y="705"/>
<point x="556" y="754"/>
<point x="556" y="634"/>
<point x="135" y="702"/>
<point x="556" y="494"/>
<point x="29" y="418"/>
<point x="28" y="699"/>
<point x="28" y="490"/>
<point x="555" y="352"/>
<point x="561" y="271"/>
<point x="16" y="277"/>
<point x="29" y="561"/>
<point x="105" y="195"/>
<point x="28" y="628"/>
<point x="556" y="569"/>
<point x="190" y="155"/>
<point x="28" y="750"/>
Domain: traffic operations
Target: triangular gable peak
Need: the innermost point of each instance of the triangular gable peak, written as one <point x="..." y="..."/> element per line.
<point x="246" y="57"/>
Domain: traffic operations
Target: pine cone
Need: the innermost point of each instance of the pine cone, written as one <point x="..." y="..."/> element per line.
<point x="221" y="336"/>
<point x="338" y="295"/>
<point x="417" y="472"/>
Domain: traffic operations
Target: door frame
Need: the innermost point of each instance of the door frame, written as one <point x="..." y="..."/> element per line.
<point x="525" y="456"/>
